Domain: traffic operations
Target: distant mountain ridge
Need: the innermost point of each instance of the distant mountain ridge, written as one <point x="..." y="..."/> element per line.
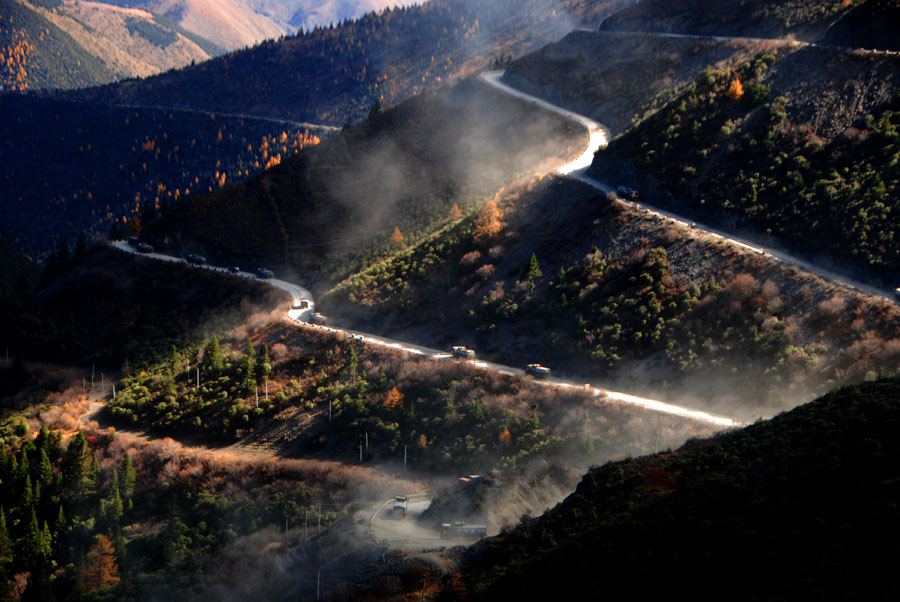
<point x="136" y="38"/>
<point x="333" y="74"/>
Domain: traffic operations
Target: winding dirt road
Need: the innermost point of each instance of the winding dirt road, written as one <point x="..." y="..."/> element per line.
<point x="578" y="167"/>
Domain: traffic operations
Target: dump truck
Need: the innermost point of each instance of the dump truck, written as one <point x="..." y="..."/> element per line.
<point x="264" y="273"/>
<point x="537" y="371"/>
<point x="143" y="247"/>
<point x="460" y="530"/>
<point x="463" y="353"/>
<point x="196" y="259"/>
<point x="301" y="304"/>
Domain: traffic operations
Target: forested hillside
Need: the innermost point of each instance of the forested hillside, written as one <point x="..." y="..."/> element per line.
<point x="402" y="172"/>
<point x="803" y="167"/>
<point x="75" y="167"/>
<point x="333" y="74"/>
<point x="804" y="502"/>
<point x="37" y="54"/>
<point x="146" y="307"/>
<point x="624" y="299"/>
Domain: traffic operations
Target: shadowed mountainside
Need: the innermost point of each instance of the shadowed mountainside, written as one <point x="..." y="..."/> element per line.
<point x="797" y="500"/>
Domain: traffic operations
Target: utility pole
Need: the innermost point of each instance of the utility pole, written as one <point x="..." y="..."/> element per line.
<point x="114" y="390"/>
<point x="306" y="525"/>
<point x="267" y="391"/>
<point x="360" y="452"/>
<point x="198" y="377"/>
<point x="367" y="444"/>
<point x="101" y="383"/>
<point x="424" y="580"/>
<point x="318" y="580"/>
<point x="329" y="411"/>
<point x="319" y="528"/>
<point x="404" y="458"/>
<point x="257" y="396"/>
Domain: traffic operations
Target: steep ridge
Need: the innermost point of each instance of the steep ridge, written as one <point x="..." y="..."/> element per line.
<point x="801" y="500"/>
<point x="331" y="74"/>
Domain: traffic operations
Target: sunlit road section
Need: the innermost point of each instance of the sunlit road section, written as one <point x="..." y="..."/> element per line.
<point x="577" y="168"/>
<point x="298" y="292"/>
<point x="598" y="135"/>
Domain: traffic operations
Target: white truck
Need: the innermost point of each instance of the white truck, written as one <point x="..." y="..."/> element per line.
<point x="401" y="505"/>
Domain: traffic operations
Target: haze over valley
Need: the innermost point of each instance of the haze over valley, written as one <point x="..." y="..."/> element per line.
<point x="451" y="300"/>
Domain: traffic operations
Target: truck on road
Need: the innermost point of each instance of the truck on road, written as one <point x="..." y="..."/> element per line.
<point x="401" y="505"/>
<point x="264" y="273"/>
<point x="196" y="259"/>
<point x="463" y="353"/>
<point x="537" y="371"/>
<point x="460" y="530"/>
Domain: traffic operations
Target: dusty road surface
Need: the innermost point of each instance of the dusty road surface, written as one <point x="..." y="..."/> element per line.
<point x="405" y="533"/>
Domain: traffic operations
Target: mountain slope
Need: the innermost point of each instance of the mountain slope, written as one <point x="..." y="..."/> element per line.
<point x="403" y="168"/>
<point x="805" y="502"/>
<point x="48" y="56"/>
<point x="77" y="167"/>
<point x="805" y="19"/>
<point x="230" y="24"/>
<point x="800" y="151"/>
<point x="332" y="74"/>
<point x="871" y="24"/>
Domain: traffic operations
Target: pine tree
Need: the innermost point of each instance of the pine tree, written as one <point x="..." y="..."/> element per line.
<point x="73" y="467"/>
<point x="350" y="364"/>
<point x="129" y="475"/>
<point x="6" y="547"/>
<point x="263" y="365"/>
<point x="93" y="475"/>
<point x="213" y="358"/>
<point x="534" y="270"/>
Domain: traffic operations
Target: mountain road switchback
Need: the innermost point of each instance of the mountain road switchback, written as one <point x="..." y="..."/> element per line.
<point x="578" y="167"/>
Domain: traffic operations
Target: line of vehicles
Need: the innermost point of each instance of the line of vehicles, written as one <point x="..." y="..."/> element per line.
<point x="534" y="370"/>
<point x="199" y="260"/>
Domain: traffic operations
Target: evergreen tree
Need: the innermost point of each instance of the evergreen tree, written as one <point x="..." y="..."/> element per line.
<point x="350" y="364"/>
<point x="213" y="358"/>
<point x="129" y="475"/>
<point x="93" y="475"/>
<point x="6" y="559"/>
<point x="263" y="365"/>
<point x="6" y="548"/>
<point x="73" y="467"/>
<point x="44" y="472"/>
<point x="533" y="272"/>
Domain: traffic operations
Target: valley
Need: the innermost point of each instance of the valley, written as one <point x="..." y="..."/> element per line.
<point x="453" y="301"/>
